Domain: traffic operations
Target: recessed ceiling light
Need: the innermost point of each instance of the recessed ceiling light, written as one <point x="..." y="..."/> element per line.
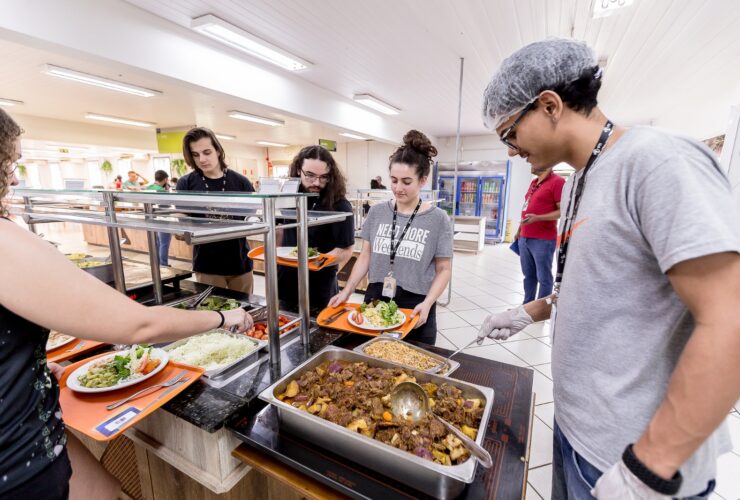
<point x="605" y="8"/>
<point x="10" y="102"/>
<point x="98" y="81"/>
<point x="273" y="144"/>
<point x="227" y="33"/>
<point x="376" y="104"/>
<point x="115" y="119"/>
<point x="256" y="119"/>
<point x="226" y="137"/>
<point x="353" y="136"/>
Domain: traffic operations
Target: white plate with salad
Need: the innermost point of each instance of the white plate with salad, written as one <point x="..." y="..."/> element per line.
<point x="118" y="370"/>
<point x="377" y="316"/>
<point x="291" y="253"/>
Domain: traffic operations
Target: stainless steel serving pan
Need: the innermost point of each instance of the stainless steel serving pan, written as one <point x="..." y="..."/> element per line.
<point x="449" y="364"/>
<point x="437" y="480"/>
<point x="245" y="360"/>
<point x="188" y="300"/>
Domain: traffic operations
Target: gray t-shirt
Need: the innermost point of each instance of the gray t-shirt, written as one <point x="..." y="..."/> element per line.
<point x="650" y="202"/>
<point x="429" y="236"/>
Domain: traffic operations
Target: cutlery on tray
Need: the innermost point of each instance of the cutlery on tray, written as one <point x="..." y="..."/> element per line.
<point x="78" y="346"/>
<point x="331" y="319"/>
<point x="177" y="378"/>
<point x="174" y="387"/>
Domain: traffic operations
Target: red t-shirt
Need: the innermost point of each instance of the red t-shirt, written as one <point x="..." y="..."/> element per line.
<point x="539" y="200"/>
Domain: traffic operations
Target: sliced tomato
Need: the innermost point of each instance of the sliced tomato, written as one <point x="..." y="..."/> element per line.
<point x="150" y="365"/>
<point x="358" y="318"/>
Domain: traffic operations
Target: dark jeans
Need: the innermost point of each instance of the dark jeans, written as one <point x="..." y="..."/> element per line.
<point x="427" y="333"/>
<point x="535" y="256"/>
<point x="51" y="483"/>
<point x="163" y="243"/>
<point x="573" y="477"/>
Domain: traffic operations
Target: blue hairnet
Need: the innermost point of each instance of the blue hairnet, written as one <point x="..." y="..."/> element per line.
<point x="528" y="71"/>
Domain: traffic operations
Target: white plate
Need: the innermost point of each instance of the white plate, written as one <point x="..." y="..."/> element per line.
<point x="285" y="253"/>
<point x="60" y="344"/>
<point x="367" y="326"/>
<point x="74" y="384"/>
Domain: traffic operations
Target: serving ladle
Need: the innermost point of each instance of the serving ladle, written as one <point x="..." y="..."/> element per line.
<point x="410" y="400"/>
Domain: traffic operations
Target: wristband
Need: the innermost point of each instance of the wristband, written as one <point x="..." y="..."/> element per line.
<point x="223" y="319"/>
<point x="664" y="486"/>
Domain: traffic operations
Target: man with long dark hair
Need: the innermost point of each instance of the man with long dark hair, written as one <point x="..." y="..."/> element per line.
<point x="319" y="174"/>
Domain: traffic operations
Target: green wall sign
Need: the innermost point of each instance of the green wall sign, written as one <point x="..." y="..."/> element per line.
<point x="329" y="145"/>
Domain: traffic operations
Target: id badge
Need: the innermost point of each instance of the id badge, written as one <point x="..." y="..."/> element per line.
<point x="553" y="317"/>
<point x="389" y="286"/>
<point x="526" y="204"/>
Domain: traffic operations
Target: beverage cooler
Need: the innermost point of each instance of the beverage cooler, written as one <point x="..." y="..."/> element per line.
<point x="491" y="206"/>
<point x="468" y="195"/>
<point x="446" y="187"/>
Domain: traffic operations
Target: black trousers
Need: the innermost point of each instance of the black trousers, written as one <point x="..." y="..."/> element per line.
<point x="426" y="333"/>
<point x="51" y="483"/>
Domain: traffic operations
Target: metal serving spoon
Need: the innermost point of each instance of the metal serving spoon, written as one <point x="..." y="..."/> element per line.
<point x="410" y="400"/>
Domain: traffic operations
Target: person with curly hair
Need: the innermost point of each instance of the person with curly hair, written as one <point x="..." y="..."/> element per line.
<point x="35" y="449"/>
<point x="407" y="247"/>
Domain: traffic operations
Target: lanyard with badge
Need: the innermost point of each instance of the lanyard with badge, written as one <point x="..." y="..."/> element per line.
<point x="531" y="192"/>
<point x="570" y="216"/>
<point x="389" y="282"/>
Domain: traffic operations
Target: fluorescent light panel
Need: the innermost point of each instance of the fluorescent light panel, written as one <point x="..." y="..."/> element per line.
<point x="239" y="115"/>
<point x="605" y="8"/>
<point x="353" y="136"/>
<point x="376" y="104"/>
<point x="226" y="137"/>
<point x="9" y="102"/>
<point x="224" y="32"/>
<point x="98" y="81"/>
<point x="273" y="144"/>
<point x="115" y="119"/>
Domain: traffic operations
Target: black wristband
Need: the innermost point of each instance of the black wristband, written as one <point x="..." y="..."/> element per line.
<point x="223" y="319"/>
<point x="653" y="481"/>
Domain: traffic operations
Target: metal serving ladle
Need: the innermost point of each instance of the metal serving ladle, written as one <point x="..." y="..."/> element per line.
<point x="410" y="400"/>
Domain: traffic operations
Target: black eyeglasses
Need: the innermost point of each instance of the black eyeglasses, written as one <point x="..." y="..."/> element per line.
<point x="310" y="177"/>
<point x="505" y="136"/>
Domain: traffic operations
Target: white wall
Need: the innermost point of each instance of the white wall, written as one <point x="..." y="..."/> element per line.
<point x="730" y="159"/>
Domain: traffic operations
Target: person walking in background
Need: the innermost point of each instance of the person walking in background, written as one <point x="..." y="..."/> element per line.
<point x="161" y="183"/>
<point x="539" y="231"/>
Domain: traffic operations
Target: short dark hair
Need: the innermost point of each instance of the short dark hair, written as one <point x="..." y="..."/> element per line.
<point x="416" y="151"/>
<point x="196" y="134"/>
<point x="336" y="188"/>
<point x="160" y="175"/>
<point x="580" y="94"/>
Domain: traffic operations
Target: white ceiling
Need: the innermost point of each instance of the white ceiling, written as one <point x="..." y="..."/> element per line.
<point x="673" y="63"/>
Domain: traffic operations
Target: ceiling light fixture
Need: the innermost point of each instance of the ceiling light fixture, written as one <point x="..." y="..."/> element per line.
<point x="605" y="8"/>
<point x="115" y="119"/>
<point x="376" y="104"/>
<point x="273" y="144"/>
<point x="227" y="33"/>
<point x="9" y="102"/>
<point x="98" y="81"/>
<point x="226" y="137"/>
<point x="239" y="115"/>
<point x="353" y="136"/>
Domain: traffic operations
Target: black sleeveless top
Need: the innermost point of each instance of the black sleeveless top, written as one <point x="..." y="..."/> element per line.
<point x="31" y="429"/>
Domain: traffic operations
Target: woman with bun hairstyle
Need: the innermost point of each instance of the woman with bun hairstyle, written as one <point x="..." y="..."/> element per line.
<point x="407" y="247"/>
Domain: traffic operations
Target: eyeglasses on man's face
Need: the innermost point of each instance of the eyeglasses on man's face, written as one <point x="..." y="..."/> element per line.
<point x="508" y="133"/>
<point x="311" y="177"/>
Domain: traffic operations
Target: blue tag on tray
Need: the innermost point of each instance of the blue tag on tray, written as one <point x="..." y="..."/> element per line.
<point x="114" y="424"/>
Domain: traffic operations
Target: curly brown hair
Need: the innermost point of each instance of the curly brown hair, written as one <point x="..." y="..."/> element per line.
<point x="416" y="151"/>
<point x="9" y="133"/>
<point x="336" y="188"/>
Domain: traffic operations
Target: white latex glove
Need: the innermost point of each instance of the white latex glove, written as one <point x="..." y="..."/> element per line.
<point x="501" y="326"/>
<point x="618" y="483"/>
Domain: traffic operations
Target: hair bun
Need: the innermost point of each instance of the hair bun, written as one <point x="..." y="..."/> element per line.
<point x="419" y="143"/>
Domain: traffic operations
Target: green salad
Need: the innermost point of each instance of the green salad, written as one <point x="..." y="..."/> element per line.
<point x="214" y="303"/>
<point x="382" y="314"/>
<point x="135" y="363"/>
<point x="312" y="252"/>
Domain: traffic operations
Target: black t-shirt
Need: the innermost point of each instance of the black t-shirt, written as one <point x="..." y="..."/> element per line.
<point x="223" y="258"/>
<point x="325" y="238"/>
<point x="31" y="429"/>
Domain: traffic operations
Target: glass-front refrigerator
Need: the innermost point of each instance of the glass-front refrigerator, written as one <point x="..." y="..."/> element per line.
<point x="468" y="188"/>
<point x="491" y="206"/>
<point x="446" y="188"/>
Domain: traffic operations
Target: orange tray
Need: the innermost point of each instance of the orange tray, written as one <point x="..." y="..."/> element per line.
<point x="342" y="324"/>
<point x="259" y="254"/>
<point x="63" y="353"/>
<point x="86" y="413"/>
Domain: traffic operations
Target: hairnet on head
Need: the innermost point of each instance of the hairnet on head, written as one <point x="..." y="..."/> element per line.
<point x="528" y="71"/>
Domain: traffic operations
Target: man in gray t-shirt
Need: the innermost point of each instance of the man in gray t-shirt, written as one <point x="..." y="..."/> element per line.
<point x="646" y="342"/>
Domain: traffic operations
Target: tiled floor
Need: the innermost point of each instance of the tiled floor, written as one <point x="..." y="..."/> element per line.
<point x="491" y="282"/>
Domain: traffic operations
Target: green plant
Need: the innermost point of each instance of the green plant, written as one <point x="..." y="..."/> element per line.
<point x="22" y="170"/>
<point x="106" y="167"/>
<point x="179" y="167"/>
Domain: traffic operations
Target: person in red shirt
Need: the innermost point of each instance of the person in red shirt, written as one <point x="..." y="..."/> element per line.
<point x="538" y="232"/>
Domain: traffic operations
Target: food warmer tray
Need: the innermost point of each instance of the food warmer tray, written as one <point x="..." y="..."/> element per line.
<point x="451" y="364"/>
<point x="434" y="479"/>
<point x="244" y="305"/>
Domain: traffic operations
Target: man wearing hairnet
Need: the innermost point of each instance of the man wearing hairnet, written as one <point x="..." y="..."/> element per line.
<point x="645" y="312"/>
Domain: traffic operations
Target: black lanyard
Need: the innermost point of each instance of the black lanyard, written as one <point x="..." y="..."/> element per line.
<point x="394" y="248"/>
<point x="570" y="217"/>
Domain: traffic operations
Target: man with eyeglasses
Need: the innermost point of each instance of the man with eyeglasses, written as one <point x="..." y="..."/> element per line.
<point x="646" y="329"/>
<point x="319" y="174"/>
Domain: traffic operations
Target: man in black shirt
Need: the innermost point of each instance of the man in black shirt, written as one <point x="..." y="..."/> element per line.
<point x="224" y="263"/>
<point x="319" y="174"/>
